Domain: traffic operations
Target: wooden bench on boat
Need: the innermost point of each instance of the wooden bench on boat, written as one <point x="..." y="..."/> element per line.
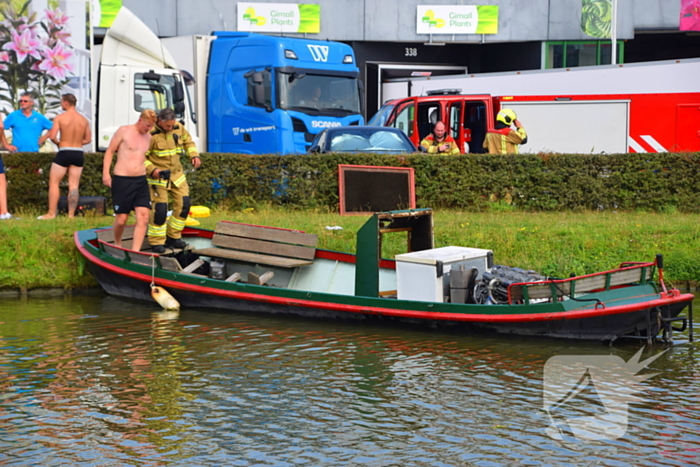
<point x="261" y="245"/>
<point x="557" y="289"/>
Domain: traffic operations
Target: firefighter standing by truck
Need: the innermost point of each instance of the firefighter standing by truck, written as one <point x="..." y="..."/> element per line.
<point x="169" y="141"/>
<point x="503" y="139"/>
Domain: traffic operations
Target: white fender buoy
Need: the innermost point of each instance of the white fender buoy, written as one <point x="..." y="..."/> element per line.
<point x="164" y="298"/>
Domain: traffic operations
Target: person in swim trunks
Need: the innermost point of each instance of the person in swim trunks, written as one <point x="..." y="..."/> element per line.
<point x="75" y="132"/>
<point x="130" y="185"/>
<point x="128" y="194"/>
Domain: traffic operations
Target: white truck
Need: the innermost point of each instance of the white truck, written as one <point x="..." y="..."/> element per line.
<point x="135" y="72"/>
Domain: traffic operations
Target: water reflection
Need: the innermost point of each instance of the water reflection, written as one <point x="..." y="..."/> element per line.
<point x="102" y="381"/>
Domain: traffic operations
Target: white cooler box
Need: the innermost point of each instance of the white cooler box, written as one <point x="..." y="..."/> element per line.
<point x="424" y="275"/>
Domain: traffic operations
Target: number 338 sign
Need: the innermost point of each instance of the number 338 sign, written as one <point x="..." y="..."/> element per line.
<point x="410" y="52"/>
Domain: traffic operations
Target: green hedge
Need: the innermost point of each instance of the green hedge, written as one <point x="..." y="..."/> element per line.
<point x="653" y="182"/>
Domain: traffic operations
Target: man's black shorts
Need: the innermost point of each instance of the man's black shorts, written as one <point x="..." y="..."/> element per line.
<point x="69" y="156"/>
<point x="129" y="193"/>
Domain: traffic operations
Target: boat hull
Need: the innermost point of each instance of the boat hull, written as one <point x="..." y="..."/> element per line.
<point x="643" y="320"/>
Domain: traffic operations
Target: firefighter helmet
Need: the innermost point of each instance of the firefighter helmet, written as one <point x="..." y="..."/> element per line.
<point x="506" y="116"/>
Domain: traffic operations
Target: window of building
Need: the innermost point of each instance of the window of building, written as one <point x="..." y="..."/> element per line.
<point x="568" y="54"/>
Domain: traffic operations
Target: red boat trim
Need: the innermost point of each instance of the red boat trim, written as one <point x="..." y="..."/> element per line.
<point x="425" y="315"/>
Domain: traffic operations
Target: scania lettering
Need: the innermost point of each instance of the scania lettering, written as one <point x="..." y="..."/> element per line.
<point x="316" y="124"/>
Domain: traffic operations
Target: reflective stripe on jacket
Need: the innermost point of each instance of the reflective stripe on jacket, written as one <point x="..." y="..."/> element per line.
<point x="504" y="141"/>
<point x="432" y="145"/>
<point x="165" y="151"/>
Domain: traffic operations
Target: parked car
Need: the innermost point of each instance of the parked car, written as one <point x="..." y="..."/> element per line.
<point x="378" y="139"/>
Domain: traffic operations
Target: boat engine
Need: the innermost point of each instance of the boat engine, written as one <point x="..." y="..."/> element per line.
<point x="493" y="286"/>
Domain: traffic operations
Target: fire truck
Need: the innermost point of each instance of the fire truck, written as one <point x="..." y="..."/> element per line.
<point x="639" y="107"/>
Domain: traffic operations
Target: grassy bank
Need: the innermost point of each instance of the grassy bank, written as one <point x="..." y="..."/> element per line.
<point x="36" y="254"/>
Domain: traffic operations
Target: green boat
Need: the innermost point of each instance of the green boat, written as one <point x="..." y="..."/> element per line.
<point x="244" y="268"/>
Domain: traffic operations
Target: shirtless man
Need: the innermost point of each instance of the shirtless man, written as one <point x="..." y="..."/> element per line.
<point x="130" y="186"/>
<point x="75" y="132"/>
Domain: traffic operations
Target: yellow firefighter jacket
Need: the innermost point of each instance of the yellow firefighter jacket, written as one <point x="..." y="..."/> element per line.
<point x="505" y="140"/>
<point x="165" y="152"/>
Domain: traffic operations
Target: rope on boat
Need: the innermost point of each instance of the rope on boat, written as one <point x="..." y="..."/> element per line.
<point x="153" y="271"/>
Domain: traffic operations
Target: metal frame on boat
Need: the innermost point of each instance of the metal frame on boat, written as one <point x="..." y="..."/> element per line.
<point x="453" y="287"/>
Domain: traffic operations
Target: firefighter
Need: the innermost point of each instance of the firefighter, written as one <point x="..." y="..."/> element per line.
<point x="169" y="141"/>
<point x="504" y="140"/>
<point x="439" y="142"/>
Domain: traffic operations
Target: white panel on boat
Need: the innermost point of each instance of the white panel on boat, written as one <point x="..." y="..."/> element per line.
<point x="326" y="276"/>
<point x="418" y="273"/>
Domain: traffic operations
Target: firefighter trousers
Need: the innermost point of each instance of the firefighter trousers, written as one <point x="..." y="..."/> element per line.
<point x="159" y="224"/>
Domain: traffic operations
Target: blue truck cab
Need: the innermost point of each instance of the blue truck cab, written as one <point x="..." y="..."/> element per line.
<point x="272" y="95"/>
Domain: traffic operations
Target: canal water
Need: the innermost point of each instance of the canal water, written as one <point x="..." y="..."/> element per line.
<point x="100" y="381"/>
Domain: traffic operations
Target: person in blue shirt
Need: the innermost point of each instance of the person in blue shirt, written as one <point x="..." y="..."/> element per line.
<point x="27" y="126"/>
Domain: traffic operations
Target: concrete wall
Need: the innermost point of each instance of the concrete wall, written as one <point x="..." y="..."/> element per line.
<point x="655" y="15"/>
<point x="395" y="20"/>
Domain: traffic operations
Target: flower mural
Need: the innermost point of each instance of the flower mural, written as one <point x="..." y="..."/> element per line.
<point x="55" y="62"/>
<point x="34" y="55"/>
<point x="4" y="58"/>
<point x="690" y="15"/>
<point x="23" y="44"/>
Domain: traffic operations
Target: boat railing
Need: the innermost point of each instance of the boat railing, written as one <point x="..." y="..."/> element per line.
<point x="559" y="289"/>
